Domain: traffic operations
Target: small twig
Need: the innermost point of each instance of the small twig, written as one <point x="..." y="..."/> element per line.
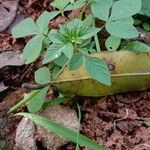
<point x="121" y="119"/>
<point x="34" y="86"/>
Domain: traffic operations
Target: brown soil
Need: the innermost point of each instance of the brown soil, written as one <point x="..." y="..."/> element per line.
<point x="117" y="121"/>
<point x="116" y="124"/>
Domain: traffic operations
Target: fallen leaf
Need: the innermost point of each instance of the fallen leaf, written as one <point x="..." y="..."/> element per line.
<point x="8" y="11"/>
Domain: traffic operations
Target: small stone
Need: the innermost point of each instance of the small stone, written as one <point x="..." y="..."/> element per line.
<point x="25" y="135"/>
<point x="62" y="115"/>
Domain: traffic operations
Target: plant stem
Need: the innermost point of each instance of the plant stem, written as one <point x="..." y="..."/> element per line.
<point x="81" y="13"/>
<point x="96" y="39"/>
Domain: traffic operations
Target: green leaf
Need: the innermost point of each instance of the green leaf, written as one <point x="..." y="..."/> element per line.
<point x="122" y="29"/>
<point x="98" y="70"/>
<point x="36" y="102"/>
<point x="42" y="75"/>
<point x="58" y="38"/>
<point x="33" y="49"/>
<point x="55" y="71"/>
<point x="55" y="102"/>
<point x="145" y="8"/>
<point x="125" y="8"/>
<point x="61" y="61"/>
<point x="68" y="51"/>
<point x="60" y="4"/>
<point x="137" y="46"/>
<point x="62" y="131"/>
<point x="25" y="28"/>
<point x="44" y="19"/>
<point x="147" y="124"/>
<point x="112" y="43"/>
<point x="146" y="26"/>
<point x="76" y="61"/>
<point x="24" y="101"/>
<point x="100" y="9"/>
<point x="75" y="23"/>
<point x="75" y="5"/>
<point x="90" y="32"/>
<point x="54" y="51"/>
<point x="65" y="30"/>
<point x="88" y="21"/>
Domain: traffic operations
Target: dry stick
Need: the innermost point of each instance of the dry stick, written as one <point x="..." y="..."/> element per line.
<point x="121" y="119"/>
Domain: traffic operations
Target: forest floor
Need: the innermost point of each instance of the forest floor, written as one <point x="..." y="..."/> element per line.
<point x="115" y="121"/>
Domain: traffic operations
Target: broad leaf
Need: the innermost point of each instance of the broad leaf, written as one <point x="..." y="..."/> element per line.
<point x="63" y="131"/>
<point x="98" y="70"/>
<point x="90" y="32"/>
<point x="125" y="8"/>
<point x="44" y="19"/>
<point x="54" y="51"/>
<point x="76" y="61"/>
<point x="100" y="8"/>
<point x="36" y="102"/>
<point x="122" y="29"/>
<point x="137" y="46"/>
<point x="33" y="49"/>
<point x="42" y="75"/>
<point x="25" y="28"/>
<point x="112" y="43"/>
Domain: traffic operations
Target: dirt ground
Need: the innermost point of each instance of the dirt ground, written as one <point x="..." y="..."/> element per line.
<point x="115" y="121"/>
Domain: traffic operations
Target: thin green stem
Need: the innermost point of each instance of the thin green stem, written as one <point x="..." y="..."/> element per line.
<point x="96" y="39"/>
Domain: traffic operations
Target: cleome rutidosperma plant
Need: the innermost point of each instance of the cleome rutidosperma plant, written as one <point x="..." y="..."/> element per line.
<point x="71" y="45"/>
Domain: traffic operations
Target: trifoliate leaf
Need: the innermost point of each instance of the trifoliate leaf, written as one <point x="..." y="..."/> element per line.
<point x="125" y="8"/>
<point x="25" y="28"/>
<point x="42" y="75"/>
<point x="100" y="8"/>
<point x="112" y="43"/>
<point x="98" y="70"/>
<point x="76" y="61"/>
<point x="44" y="19"/>
<point x="33" y="49"/>
<point x="36" y="102"/>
